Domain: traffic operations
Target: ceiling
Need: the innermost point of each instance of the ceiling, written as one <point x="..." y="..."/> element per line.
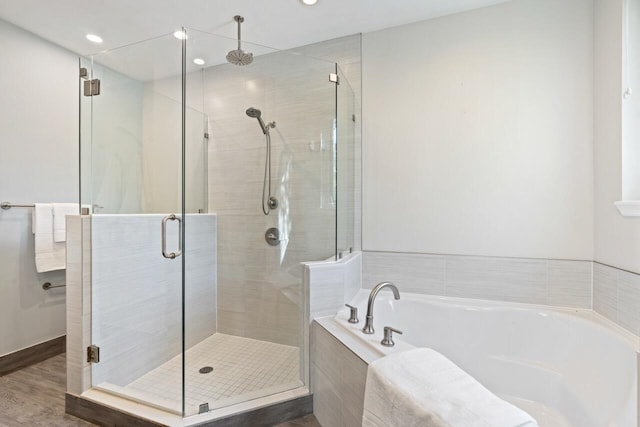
<point x="281" y="24"/>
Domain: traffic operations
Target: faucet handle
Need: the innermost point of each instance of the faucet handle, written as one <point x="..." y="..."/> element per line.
<point x="387" y="341"/>
<point x="353" y="316"/>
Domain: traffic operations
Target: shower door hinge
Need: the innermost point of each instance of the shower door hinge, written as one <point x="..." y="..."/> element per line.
<point x="93" y="354"/>
<point x="84" y="73"/>
<point x="92" y="87"/>
<point x="333" y="77"/>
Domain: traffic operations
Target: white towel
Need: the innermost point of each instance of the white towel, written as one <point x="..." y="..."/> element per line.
<point x="49" y="254"/>
<point x="421" y="387"/>
<point x="60" y="212"/>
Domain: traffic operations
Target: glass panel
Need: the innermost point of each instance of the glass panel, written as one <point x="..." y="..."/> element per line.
<point x="346" y="155"/>
<point x="152" y="150"/>
<point x="85" y="135"/>
<point x="136" y="181"/>
<point x="246" y="323"/>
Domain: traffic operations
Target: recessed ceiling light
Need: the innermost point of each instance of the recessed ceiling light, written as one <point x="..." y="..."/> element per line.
<point x="309" y="2"/>
<point x="94" y="38"/>
<point x="180" y="35"/>
<point x="198" y="61"/>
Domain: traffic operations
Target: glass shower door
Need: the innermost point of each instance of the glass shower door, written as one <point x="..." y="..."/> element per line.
<point x="135" y="192"/>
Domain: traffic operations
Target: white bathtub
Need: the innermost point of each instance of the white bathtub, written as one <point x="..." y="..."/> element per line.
<point x="567" y="368"/>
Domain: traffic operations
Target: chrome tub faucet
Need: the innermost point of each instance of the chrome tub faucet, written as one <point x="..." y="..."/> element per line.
<point x="368" y="326"/>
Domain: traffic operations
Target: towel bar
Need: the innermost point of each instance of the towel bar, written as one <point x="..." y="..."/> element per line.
<point x="46" y="286"/>
<point x="9" y="205"/>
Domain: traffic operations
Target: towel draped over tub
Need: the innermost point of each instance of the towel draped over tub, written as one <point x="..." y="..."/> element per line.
<point x="423" y="388"/>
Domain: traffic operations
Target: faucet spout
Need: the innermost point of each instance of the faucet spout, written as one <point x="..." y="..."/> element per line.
<point x="368" y="326"/>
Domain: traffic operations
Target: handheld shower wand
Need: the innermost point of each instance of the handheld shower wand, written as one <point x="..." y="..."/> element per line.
<point x="269" y="202"/>
<point x="257" y="114"/>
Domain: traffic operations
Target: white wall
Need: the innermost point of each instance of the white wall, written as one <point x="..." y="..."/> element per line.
<point x="617" y="239"/>
<point x="113" y="142"/>
<point x="38" y="163"/>
<point x="162" y="151"/>
<point x="478" y="133"/>
<point x="631" y="101"/>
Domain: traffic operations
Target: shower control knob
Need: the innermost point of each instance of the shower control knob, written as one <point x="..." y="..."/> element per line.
<point x="273" y="202"/>
<point x="272" y="236"/>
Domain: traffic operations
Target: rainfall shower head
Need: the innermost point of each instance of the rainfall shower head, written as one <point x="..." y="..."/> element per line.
<point x="239" y="56"/>
<point x="257" y="114"/>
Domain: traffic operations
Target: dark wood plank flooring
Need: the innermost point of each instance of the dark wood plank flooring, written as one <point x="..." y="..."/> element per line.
<point x="34" y="396"/>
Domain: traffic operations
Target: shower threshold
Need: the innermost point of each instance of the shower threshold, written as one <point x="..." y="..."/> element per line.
<point x="243" y="369"/>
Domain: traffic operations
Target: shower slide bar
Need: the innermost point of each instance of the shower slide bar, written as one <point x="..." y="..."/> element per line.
<point x="46" y="286"/>
<point x="9" y="205"/>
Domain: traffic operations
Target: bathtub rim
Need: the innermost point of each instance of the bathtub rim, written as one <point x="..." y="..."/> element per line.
<point x="337" y="326"/>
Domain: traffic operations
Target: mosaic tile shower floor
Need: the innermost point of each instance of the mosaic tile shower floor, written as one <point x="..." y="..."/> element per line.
<point x="243" y="369"/>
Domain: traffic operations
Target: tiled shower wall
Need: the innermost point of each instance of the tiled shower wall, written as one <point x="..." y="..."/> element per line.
<point x="136" y="293"/>
<point x="260" y="286"/>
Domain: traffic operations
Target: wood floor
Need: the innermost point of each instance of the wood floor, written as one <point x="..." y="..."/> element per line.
<point x="34" y="396"/>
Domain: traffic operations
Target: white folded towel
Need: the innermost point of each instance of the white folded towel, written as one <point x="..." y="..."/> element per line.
<point x="421" y="387"/>
<point x="49" y="254"/>
<point x="60" y="212"/>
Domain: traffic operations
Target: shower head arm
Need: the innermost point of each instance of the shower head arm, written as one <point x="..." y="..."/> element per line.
<point x="239" y="56"/>
<point x="239" y="19"/>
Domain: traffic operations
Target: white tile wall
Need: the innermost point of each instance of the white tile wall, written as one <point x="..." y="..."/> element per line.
<point x="616" y="295"/>
<point x="331" y="284"/>
<point x="338" y="380"/>
<point x="78" y="280"/>
<point x="326" y="284"/>
<point x="535" y="281"/>
<point x="259" y="285"/>
<point x="352" y="275"/>
<point x="137" y="293"/>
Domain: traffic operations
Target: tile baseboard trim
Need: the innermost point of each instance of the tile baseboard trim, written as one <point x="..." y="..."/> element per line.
<point x="104" y="415"/>
<point x="32" y="355"/>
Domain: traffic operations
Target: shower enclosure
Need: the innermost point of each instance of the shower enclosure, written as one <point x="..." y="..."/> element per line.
<point x="197" y="296"/>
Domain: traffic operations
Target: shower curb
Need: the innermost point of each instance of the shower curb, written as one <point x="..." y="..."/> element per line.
<point x="267" y="416"/>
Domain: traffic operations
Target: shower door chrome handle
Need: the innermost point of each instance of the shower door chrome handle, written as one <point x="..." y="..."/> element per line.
<point x="171" y="255"/>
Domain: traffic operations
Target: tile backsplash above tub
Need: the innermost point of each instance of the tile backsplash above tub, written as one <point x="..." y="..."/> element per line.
<point x="616" y="296"/>
<point x="536" y="281"/>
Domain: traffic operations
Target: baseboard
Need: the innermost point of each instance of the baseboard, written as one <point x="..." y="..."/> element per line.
<point x="32" y="355"/>
<point x="268" y="416"/>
